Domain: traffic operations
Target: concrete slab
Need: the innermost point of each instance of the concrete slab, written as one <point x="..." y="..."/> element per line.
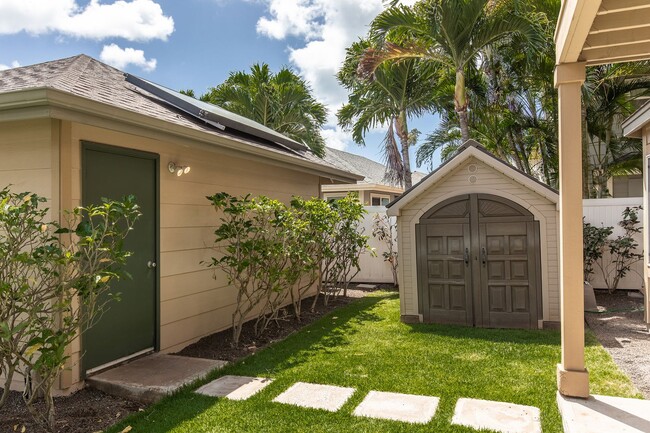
<point x="151" y="378"/>
<point x="314" y="396"/>
<point x="235" y="387"/>
<point x="603" y="414"/>
<point x="418" y="409"/>
<point x="366" y="286"/>
<point x="498" y="416"/>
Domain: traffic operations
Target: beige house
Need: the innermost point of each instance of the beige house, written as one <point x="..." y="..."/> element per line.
<point x="478" y="244"/>
<point x="74" y="130"/>
<point x="589" y="32"/>
<point x="373" y="190"/>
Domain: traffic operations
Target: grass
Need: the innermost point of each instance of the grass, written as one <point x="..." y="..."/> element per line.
<point x="365" y="346"/>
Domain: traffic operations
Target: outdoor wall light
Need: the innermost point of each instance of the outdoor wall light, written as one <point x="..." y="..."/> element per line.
<point x="178" y="169"/>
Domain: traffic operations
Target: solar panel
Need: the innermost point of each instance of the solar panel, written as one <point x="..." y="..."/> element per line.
<point x="214" y="115"/>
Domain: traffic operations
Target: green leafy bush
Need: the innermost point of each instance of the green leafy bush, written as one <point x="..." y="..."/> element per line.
<point x="52" y="282"/>
<point x="272" y="253"/>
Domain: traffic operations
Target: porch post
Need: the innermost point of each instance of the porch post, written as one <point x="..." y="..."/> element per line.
<point x="572" y="377"/>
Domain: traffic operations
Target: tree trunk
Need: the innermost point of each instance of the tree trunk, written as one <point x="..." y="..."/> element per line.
<point x="403" y="133"/>
<point x="585" y="154"/>
<point x="460" y="104"/>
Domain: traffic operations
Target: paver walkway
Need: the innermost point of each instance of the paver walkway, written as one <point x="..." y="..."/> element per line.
<point x="500" y="417"/>
<point x="594" y="415"/>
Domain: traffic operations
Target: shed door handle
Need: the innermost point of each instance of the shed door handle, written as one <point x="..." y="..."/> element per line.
<point x="483" y="256"/>
<point x="151" y="264"/>
<point x="467" y="256"/>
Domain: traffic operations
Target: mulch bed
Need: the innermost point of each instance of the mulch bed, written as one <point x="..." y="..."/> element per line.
<point x="219" y="346"/>
<point x="90" y="410"/>
<point x="85" y="411"/>
<point x="622" y="331"/>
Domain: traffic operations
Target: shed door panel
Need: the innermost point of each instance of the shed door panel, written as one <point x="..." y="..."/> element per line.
<point x="508" y="275"/>
<point x="499" y="286"/>
<point x="445" y="275"/>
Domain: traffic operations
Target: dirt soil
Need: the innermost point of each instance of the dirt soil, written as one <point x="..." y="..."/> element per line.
<point x="90" y="410"/>
<point x="622" y="331"/>
<point x="85" y="411"/>
<point x="218" y="346"/>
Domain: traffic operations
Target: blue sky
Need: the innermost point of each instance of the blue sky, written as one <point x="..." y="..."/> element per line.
<point x="194" y="44"/>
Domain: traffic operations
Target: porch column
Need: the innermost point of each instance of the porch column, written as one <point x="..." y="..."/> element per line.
<point x="572" y="377"/>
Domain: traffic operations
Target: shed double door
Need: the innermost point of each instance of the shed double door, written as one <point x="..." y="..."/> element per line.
<point x="478" y="260"/>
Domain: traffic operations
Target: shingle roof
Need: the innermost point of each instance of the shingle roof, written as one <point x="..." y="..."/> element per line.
<point x="88" y="78"/>
<point x="372" y="171"/>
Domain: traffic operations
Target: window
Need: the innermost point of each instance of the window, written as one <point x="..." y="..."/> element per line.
<point x="330" y="197"/>
<point x="379" y="200"/>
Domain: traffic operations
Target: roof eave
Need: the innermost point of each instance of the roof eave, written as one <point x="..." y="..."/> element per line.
<point x="633" y="125"/>
<point x="57" y="104"/>
<point x="393" y="208"/>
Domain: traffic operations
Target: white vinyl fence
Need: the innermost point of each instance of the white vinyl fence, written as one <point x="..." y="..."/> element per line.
<point x="373" y="268"/>
<point x="608" y="212"/>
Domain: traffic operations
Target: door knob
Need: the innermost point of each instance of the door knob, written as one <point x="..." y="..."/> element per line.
<point x="483" y="256"/>
<point x="151" y="264"/>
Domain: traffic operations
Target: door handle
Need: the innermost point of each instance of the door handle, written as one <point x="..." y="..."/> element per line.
<point x="151" y="264"/>
<point x="483" y="256"/>
<point x="466" y="256"/>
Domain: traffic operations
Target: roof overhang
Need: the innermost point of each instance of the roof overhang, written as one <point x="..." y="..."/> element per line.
<point x="603" y="31"/>
<point x="51" y="103"/>
<point x="633" y="125"/>
<point x="363" y="187"/>
<point x="470" y="151"/>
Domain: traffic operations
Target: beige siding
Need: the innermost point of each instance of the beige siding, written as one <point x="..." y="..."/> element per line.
<point x="28" y="154"/>
<point x="193" y="303"/>
<point x="646" y="226"/>
<point x="489" y="181"/>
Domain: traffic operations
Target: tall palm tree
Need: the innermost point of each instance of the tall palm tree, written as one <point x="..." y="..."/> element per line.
<point x="281" y="101"/>
<point x="451" y="33"/>
<point x="396" y="92"/>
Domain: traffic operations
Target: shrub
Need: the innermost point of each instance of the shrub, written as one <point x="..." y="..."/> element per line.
<point x="53" y="282"/>
<point x="385" y="230"/>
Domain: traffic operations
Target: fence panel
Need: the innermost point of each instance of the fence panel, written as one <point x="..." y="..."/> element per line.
<point x="373" y="268"/>
<point x="608" y="212"/>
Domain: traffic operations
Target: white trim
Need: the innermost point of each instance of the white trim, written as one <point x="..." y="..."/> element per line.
<point x="119" y="361"/>
<point x="459" y="159"/>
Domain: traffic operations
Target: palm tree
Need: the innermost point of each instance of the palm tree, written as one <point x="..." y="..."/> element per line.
<point x="451" y="33"/>
<point x="396" y="92"/>
<point x="608" y="98"/>
<point x="281" y="101"/>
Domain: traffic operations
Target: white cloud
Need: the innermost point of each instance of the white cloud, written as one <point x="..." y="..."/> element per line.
<point x="135" y="20"/>
<point x="122" y="57"/>
<point x="336" y="138"/>
<point x="14" y="64"/>
<point x="327" y="28"/>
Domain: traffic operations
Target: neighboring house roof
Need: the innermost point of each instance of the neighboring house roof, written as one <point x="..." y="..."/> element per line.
<point x="372" y="171"/>
<point x="470" y="149"/>
<point x="53" y="83"/>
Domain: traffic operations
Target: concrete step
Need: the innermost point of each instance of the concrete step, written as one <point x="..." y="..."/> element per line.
<point x="151" y="378"/>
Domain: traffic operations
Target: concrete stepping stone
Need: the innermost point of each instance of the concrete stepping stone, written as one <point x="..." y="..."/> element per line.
<point x="497" y="416"/>
<point x="314" y="396"/>
<point x="410" y="408"/>
<point x="366" y="286"/>
<point x="234" y="387"/>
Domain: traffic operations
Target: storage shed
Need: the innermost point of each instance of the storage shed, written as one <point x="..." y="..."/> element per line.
<point x="478" y="245"/>
<point x="75" y="130"/>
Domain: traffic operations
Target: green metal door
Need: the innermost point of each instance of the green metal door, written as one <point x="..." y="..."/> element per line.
<point x="128" y="326"/>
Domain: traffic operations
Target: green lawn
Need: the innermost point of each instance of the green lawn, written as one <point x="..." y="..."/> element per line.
<point x="365" y="346"/>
